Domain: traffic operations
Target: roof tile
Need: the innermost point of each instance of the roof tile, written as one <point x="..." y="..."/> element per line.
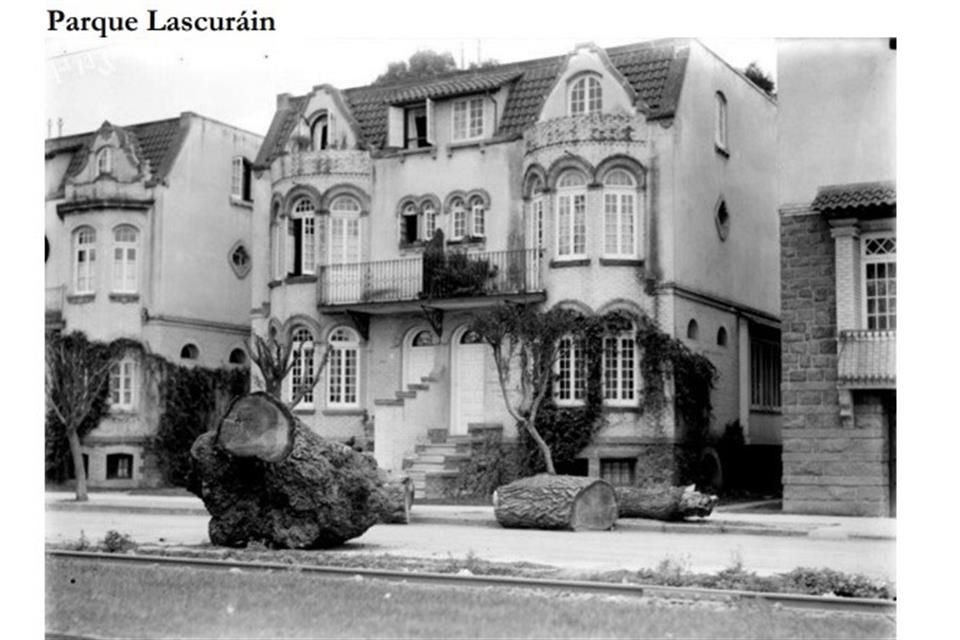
<point x="860" y="194"/>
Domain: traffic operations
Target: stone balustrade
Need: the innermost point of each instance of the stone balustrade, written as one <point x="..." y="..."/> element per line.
<point x="595" y="128"/>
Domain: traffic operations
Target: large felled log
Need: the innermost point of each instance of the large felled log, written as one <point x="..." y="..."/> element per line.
<point x="556" y="502"/>
<point x="266" y="477"/>
<point x="664" y="502"/>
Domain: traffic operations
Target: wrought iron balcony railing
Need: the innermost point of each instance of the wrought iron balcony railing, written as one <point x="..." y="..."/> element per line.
<point x="455" y="275"/>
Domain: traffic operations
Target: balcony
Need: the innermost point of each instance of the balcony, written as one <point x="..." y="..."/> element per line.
<point x="54" y="305"/>
<point x="321" y="163"/>
<point x="867" y="358"/>
<point x="456" y="279"/>
<point x="593" y="128"/>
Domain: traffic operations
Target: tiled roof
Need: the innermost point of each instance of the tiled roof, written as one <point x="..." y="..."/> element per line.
<point x="654" y="69"/>
<point x="154" y="141"/>
<point x="860" y="194"/>
<point x="868" y="357"/>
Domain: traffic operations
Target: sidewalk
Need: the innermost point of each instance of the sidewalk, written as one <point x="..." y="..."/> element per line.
<point x="721" y="521"/>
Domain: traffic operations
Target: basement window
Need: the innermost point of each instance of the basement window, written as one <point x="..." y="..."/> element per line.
<point x="119" y="466"/>
<point x="618" y="471"/>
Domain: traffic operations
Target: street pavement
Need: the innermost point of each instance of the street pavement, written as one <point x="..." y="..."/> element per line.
<point x="765" y="543"/>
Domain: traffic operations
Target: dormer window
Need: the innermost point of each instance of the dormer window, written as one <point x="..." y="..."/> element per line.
<point x="320" y="132"/>
<point x="415" y="132"/>
<point x="104" y="161"/>
<point x="410" y="126"/>
<point x="468" y="119"/>
<point x="586" y="96"/>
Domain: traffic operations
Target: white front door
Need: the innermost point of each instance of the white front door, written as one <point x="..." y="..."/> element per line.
<point x="469" y="369"/>
<point x="419" y="354"/>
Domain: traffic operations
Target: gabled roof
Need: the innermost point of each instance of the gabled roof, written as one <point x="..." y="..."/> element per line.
<point x="654" y="69"/>
<point x="849" y="197"/>
<point x="158" y="142"/>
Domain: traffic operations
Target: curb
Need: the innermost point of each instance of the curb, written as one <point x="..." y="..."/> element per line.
<point x="622" y="524"/>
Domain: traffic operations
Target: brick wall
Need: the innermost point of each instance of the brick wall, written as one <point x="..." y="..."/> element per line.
<point x="828" y="466"/>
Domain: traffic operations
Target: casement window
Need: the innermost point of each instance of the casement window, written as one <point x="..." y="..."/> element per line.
<point x="571" y="215"/>
<point x="125" y="259"/>
<point x="535" y="213"/>
<point x="620" y="368"/>
<point x="720" y="121"/>
<point x="84" y="260"/>
<point x="416" y="128"/>
<point x="302" y="238"/>
<point x="764" y="374"/>
<point x="240" y="179"/>
<point x="320" y="132"/>
<point x="620" y="219"/>
<point x="418" y="223"/>
<point x="104" y="161"/>
<point x="459" y="213"/>
<point x="119" y="466"/>
<point x="301" y="354"/>
<point x="619" y="472"/>
<point x="478" y="216"/>
<point x="586" y="96"/>
<point x="343" y="373"/>
<point x="344" y="237"/>
<point x="468" y="119"/>
<point x="879" y="262"/>
<point x="570" y="383"/>
<point x="123" y="383"/>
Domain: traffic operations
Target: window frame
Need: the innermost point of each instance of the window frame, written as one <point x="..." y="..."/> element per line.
<point x="118" y="458"/>
<point x="301" y="227"/>
<point x="468" y="132"/>
<point x="303" y="361"/>
<point x="123" y="381"/>
<point x="570" y="194"/>
<point x="338" y="235"/>
<point x="241" y="179"/>
<point x="887" y="259"/>
<point x="104" y="161"/>
<point x="619" y="194"/>
<point x="592" y="93"/>
<point x="89" y="251"/>
<point x="129" y="280"/>
<point x="341" y="381"/>
<point x="720" y="123"/>
<point x="627" y="360"/>
<point x="765" y="375"/>
<point x="459" y="214"/>
<point x="575" y="374"/>
<point x="477" y="212"/>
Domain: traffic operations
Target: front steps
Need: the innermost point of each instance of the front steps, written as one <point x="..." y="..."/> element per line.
<point x="435" y="464"/>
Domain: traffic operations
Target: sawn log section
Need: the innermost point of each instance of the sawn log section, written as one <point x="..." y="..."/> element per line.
<point x="556" y="502"/>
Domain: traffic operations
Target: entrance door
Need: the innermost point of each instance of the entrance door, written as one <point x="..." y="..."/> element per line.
<point x="419" y="352"/>
<point x="469" y="368"/>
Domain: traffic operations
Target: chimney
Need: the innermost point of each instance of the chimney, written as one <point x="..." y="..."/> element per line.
<point x="59" y="127"/>
<point x="283" y="101"/>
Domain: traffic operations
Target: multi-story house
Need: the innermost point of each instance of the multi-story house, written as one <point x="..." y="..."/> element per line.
<point x="148" y="237"/>
<point x="838" y="205"/>
<point x="637" y="178"/>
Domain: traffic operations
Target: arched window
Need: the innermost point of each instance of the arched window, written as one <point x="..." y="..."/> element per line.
<point x="301" y="375"/>
<point x="84" y="260"/>
<point x="123" y="383"/>
<point x="189" y="352"/>
<point x="343" y="368"/>
<point x="320" y="132"/>
<point x="344" y="230"/>
<point x="620" y="220"/>
<point x="104" y="161"/>
<point x="693" y="329"/>
<point x="425" y="338"/>
<point x="459" y="212"/>
<point x="720" y="124"/>
<point x="238" y="356"/>
<point x="620" y="367"/>
<point x="478" y="216"/>
<point x="302" y="238"/>
<point x="571" y="215"/>
<point x="722" y="337"/>
<point x="585" y="96"/>
<point x="570" y="382"/>
<point x="125" y="259"/>
<point x="429" y="220"/>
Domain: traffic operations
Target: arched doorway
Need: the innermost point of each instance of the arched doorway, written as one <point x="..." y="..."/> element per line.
<point x="419" y="355"/>
<point x="468" y="370"/>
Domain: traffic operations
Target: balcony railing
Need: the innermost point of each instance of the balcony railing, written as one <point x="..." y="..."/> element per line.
<point x="327" y="162"/>
<point x="55" y="296"/>
<point x="455" y="275"/>
<point x="596" y="127"/>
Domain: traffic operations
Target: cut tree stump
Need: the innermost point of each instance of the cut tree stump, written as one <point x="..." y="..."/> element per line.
<point x="664" y="502"/>
<point x="556" y="502"/>
<point x="265" y="477"/>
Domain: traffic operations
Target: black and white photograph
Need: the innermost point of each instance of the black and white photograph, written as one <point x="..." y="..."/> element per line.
<point x="381" y="321"/>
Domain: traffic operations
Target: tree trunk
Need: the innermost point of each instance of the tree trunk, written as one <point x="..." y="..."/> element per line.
<point x="78" y="471"/>
<point x="664" y="502"/>
<point x="547" y="501"/>
<point x="265" y="476"/>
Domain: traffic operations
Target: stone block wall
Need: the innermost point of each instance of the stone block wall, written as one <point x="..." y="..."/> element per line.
<point x="830" y="465"/>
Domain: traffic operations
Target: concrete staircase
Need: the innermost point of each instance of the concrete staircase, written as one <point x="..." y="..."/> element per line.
<point x="434" y="464"/>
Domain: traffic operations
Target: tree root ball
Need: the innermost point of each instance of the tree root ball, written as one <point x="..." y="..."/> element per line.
<point x="265" y="477"/>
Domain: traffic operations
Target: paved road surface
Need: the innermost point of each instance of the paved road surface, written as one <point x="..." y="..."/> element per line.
<point x="622" y="549"/>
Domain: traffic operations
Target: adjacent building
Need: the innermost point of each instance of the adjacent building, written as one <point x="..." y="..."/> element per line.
<point x="838" y="204"/>
<point x="638" y="178"/>
<point x="148" y="237"/>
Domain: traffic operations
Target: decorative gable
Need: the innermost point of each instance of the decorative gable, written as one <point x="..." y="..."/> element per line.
<point x="112" y="166"/>
<point x="324" y="122"/>
<point x="589" y="83"/>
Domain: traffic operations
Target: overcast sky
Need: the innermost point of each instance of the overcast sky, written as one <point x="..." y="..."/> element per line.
<point x="130" y="78"/>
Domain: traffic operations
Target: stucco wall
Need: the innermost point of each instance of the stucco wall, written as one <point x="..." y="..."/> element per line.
<point x="837" y="120"/>
<point x="744" y="267"/>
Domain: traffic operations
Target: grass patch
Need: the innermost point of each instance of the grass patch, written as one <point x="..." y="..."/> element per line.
<point x="155" y="601"/>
